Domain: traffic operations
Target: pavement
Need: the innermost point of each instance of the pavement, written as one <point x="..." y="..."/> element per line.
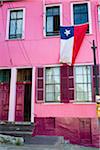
<point x="46" y="147"/>
<point x="45" y="143"/>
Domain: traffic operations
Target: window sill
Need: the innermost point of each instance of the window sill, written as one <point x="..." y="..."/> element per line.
<point x="84" y="103"/>
<point x="51" y="103"/>
<point x="53" y="36"/>
<point x="17" y="39"/>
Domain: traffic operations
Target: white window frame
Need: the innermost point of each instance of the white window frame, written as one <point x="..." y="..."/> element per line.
<point x="99" y="16"/>
<point x="82" y="65"/>
<point x="44" y="18"/>
<point x="89" y="14"/>
<point x="8" y="22"/>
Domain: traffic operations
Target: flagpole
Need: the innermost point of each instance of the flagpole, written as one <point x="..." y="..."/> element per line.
<point x="95" y="68"/>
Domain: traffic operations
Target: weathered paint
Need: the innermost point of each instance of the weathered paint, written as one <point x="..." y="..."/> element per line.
<point x="83" y="131"/>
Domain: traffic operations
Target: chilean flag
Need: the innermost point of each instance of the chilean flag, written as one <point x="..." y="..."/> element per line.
<point x="71" y="40"/>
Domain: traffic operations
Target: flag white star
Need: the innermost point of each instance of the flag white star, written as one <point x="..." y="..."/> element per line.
<point x="67" y="32"/>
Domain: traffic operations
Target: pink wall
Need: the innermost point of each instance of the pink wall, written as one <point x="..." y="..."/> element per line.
<point x="65" y="110"/>
<point x="37" y="49"/>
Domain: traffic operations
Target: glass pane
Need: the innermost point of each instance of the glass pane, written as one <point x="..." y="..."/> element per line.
<point x="80" y="87"/>
<point x="57" y="88"/>
<point x="85" y="88"/>
<point x="48" y="11"/>
<point x="89" y="69"/>
<point x="49" y="79"/>
<point x="80" y="13"/>
<point x="78" y="70"/>
<point x="49" y="96"/>
<point x="79" y="79"/>
<point x="56" y="71"/>
<point x="85" y="96"/>
<point x="55" y="11"/>
<point x="13" y="15"/>
<point x="79" y="96"/>
<point x="90" y="96"/>
<point x="49" y="71"/>
<point x="49" y="24"/>
<point x="89" y="87"/>
<point x="12" y="26"/>
<point x="56" y="79"/>
<point x="19" y="27"/>
<point x="99" y="13"/>
<point x="85" y="79"/>
<point x="20" y="14"/>
<point x="57" y="97"/>
<point x="89" y="78"/>
<point x="49" y="88"/>
<point x="4" y="75"/>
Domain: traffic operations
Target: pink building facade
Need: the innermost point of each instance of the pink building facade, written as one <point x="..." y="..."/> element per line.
<point x="34" y="86"/>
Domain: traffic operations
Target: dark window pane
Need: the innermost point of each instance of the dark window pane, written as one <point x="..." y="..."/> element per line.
<point x="4" y="75"/>
<point x="80" y="14"/>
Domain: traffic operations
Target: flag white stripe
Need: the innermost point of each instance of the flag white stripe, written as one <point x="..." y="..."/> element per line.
<point x="66" y="50"/>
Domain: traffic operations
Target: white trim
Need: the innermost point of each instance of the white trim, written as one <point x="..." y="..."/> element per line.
<point x="99" y="16"/>
<point x="84" y="64"/>
<point x="44" y="17"/>
<point x="8" y="21"/>
<point x="89" y="14"/>
<point x="44" y="92"/>
<point x="85" y="101"/>
<point x="12" y="97"/>
<point x="33" y="94"/>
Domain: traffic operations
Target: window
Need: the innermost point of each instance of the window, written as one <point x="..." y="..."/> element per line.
<point x="52" y="84"/>
<point x="52" y="20"/>
<point x="81" y="14"/>
<point x="24" y="75"/>
<point x="16" y="18"/>
<point x="99" y="15"/>
<point x="4" y="76"/>
<point x="83" y="83"/>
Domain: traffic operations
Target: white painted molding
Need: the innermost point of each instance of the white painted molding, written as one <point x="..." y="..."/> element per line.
<point x="33" y="94"/>
<point x="8" y="21"/>
<point x="12" y="98"/>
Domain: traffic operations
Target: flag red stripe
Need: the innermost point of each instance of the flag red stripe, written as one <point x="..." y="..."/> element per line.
<point x="79" y="33"/>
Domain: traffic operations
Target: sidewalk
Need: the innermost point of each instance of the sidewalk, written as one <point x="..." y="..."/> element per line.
<point x="46" y="147"/>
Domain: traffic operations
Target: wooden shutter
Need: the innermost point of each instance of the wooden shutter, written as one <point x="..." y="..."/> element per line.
<point x="40" y="85"/>
<point x="71" y="83"/>
<point x="94" y="85"/>
<point x="67" y="83"/>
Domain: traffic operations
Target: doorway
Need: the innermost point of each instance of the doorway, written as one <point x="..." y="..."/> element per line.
<point x="85" y="131"/>
<point x="27" y="102"/>
<point x="23" y="95"/>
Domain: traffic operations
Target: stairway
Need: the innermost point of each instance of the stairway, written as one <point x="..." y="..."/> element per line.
<point x="18" y="129"/>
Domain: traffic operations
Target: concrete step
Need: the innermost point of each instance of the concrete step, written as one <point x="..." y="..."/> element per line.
<point x="44" y="140"/>
<point x="19" y="129"/>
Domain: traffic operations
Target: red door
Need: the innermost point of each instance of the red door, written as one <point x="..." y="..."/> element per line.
<point x="4" y="101"/>
<point x="19" y="114"/>
<point x="85" y="131"/>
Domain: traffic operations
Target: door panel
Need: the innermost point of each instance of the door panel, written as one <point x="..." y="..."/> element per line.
<point x="19" y="115"/>
<point x="85" y="131"/>
<point x="4" y="101"/>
